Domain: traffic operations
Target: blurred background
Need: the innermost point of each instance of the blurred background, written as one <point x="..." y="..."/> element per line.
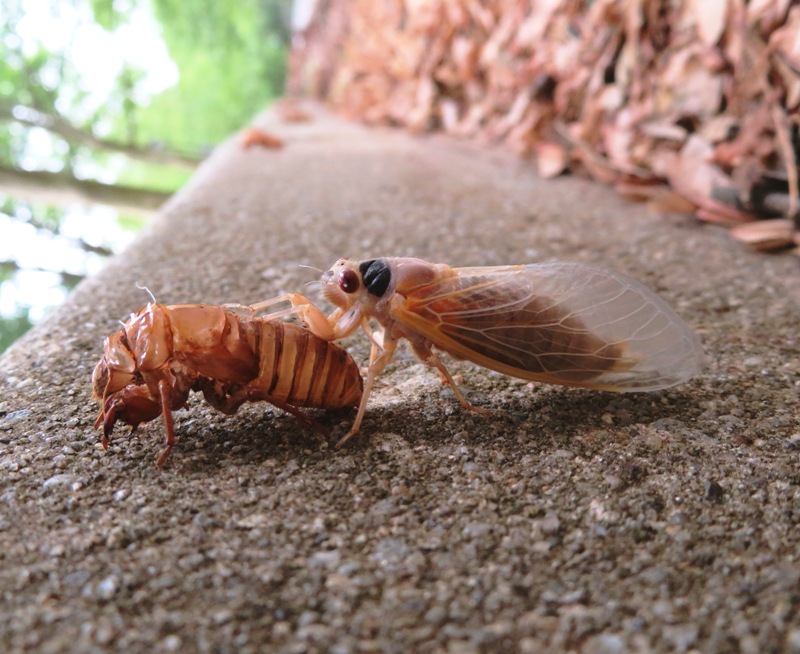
<point x="106" y="107"/>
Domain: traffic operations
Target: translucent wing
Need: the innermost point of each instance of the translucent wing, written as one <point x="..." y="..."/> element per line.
<point x="561" y="323"/>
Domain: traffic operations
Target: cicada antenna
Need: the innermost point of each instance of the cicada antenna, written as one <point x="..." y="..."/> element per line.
<point x="303" y="265"/>
<point x="142" y="287"/>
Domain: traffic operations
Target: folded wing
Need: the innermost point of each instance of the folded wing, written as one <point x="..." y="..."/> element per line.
<point x="560" y="323"/>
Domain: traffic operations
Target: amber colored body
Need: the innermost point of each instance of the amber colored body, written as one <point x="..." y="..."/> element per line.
<point x="560" y="323"/>
<point x="163" y="352"/>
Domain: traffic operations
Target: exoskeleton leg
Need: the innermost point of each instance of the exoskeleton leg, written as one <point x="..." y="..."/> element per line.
<point x="166" y="410"/>
<point x="107" y="418"/>
<point x="301" y="416"/>
<point x="229" y="404"/>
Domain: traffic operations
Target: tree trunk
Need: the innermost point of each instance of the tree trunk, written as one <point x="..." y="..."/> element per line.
<point x="63" y="189"/>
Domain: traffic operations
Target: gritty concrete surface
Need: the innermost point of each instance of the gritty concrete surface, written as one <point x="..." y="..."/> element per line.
<point x="571" y="521"/>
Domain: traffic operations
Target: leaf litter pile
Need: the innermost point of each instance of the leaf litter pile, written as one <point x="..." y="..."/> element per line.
<point x="690" y="105"/>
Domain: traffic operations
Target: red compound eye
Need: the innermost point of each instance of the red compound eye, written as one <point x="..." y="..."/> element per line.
<point x="348" y="281"/>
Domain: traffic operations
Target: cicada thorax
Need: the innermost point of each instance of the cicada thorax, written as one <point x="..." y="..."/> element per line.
<point x="522" y="331"/>
<point x="210" y="341"/>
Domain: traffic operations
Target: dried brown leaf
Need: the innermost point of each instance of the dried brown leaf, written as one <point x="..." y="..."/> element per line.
<point x="689" y="86"/>
<point x="456" y="15"/>
<point x="658" y="197"/>
<point x="786" y="40"/>
<point x="291" y="111"/>
<point x="422" y="16"/>
<point x="465" y="53"/>
<point x="635" y="91"/>
<point x="723" y="214"/>
<point x="551" y="159"/>
<point x="791" y="83"/>
<point x="481" y="15"/>
<point x="718" y="128"/>
<point x="708" y="17"/>
<point x="767" y="14"/>
<point x="766" y="235"/>
<point x="533" y="28"/>
<point x="665" y="130"/>
<point x="255" y="137"/>
<point x="690" y="171"/>
<point x="419" y="118"/>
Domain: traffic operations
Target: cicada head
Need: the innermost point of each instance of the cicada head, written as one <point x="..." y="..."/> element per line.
<point x="132" y="405"/>
<point x="359" y="289"/>
<point x="116" y="369"/>
<point x="342" y="285"/>
<point x="349" y="283"/>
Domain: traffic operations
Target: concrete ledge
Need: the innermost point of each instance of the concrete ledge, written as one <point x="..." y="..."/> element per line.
<point x="572" y="520"/>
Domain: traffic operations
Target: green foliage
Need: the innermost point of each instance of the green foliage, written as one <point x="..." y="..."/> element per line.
<point x="33" y="76"/>
<point x="232" y="61"/>
<point x="44" y="217"/>
<point x="153" y="176"/>
<point x="105" y="14"/>
<point x="131" y="223"/>
<point x="12" y="328"/>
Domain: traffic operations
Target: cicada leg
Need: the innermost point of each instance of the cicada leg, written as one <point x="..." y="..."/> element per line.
<point x="164" y="396"/>
<point x="432" y="359"/>
<point x="312" y="316"/>
<point x="376" y="366"/>
<point x="376" y="338"/>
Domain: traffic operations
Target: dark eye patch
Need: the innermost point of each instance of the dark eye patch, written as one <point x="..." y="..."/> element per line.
<point x="376" y="276"/>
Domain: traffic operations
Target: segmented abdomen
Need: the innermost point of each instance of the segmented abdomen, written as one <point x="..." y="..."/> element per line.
<point x="301" y="369"/>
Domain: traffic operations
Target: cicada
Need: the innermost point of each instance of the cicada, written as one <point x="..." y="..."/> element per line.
<point x="162" y="353"/>
<point x="561" y="323"/>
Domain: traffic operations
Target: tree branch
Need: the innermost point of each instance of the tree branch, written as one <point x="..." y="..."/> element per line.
<point x="64" y="189"/>
<point x="59" y="125"/>
<point x="67" y="278"/>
